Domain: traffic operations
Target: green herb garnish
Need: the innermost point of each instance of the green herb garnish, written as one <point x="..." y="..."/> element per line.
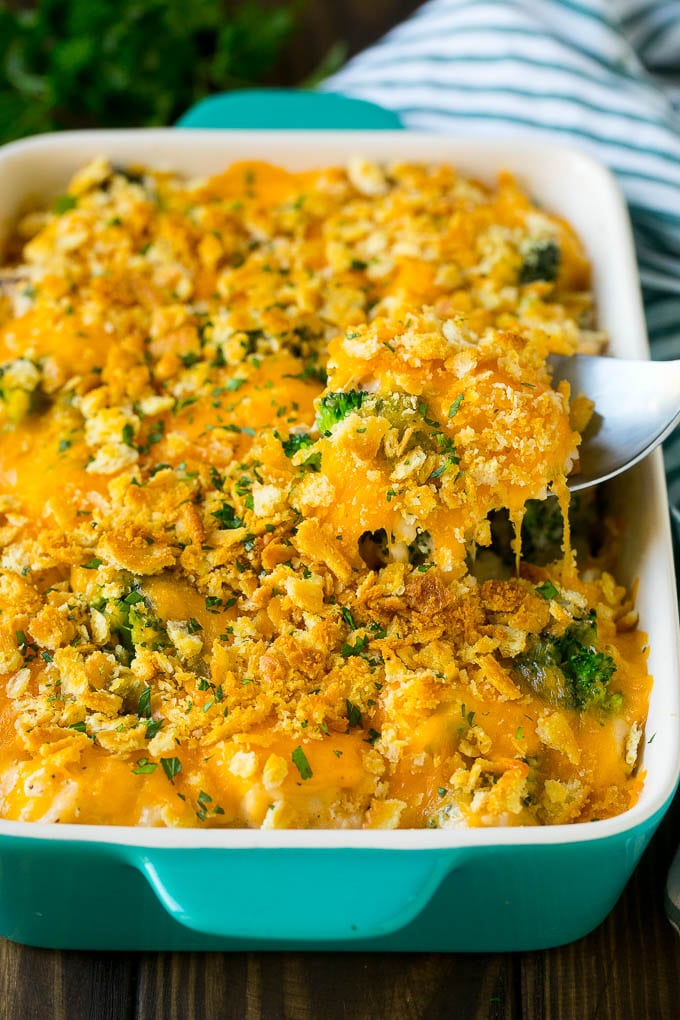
<point x="299" y="759"/>
<point x="172" y="767"/>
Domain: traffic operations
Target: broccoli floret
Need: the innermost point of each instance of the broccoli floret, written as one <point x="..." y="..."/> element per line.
<point x="568" y="670"/>
<point x="333" y="407"/>
<point x="20" y="388"/>
<point x="420" y="549"/>
<point x="134" y="623"/>
<point x="399" y="409"/>
<point x="541" y="262"/>
<point x="542" y="530"/>
<point x="146" y="630"/>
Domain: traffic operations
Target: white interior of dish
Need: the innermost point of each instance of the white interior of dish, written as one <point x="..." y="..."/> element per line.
<point x="564" y="181"/>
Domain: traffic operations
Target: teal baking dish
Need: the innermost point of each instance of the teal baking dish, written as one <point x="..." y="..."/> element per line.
<point x="66" y="886"/>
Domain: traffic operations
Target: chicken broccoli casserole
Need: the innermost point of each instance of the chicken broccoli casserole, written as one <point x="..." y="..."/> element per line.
<point x="285" y="536"/>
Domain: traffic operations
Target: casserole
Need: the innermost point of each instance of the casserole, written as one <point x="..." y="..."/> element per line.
<point x="430" y="890"/>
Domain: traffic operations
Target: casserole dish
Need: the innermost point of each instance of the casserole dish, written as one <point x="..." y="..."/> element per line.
<point x="477" y="890"/>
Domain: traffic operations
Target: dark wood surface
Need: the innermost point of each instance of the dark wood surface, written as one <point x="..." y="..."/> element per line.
<point x="628" y="969"/>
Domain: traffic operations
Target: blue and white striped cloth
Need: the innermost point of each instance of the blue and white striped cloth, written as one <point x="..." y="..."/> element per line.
<point x="602" y="74"/>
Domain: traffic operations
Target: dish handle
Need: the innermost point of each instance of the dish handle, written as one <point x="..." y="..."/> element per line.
<point x="293" y="895"/>
<point x="288" y="109"/>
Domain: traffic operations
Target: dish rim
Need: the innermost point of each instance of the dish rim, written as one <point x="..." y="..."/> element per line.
<point x="617" y="294"/>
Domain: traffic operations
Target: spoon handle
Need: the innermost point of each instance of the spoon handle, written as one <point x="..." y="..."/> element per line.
<point x="673" y="893"/>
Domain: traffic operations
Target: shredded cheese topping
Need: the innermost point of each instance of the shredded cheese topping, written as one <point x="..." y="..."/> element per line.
<point x="268" y="443"/>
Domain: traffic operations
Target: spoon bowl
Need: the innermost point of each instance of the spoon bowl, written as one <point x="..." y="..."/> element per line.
<point x="637" y="405"/>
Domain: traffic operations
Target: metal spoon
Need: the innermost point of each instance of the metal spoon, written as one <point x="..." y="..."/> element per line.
<point x="637" y="405"/>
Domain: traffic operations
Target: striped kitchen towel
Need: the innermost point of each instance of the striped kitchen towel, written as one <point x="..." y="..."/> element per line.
<point x="602" y="74"/>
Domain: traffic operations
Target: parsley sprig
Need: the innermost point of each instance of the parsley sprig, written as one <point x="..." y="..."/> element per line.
<point x="73" y="63"/>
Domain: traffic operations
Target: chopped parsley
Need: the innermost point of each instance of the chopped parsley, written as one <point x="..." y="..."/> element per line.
<point x="357" y="648"/>
<point x="144" y="704"/>
<point x="348" y="618"/>
<point x="128" y="434"/>
<point x="453" y="410"/>
<point x="172" y="767"/>
<point x="299" y="759"/>
<point x="227" y="517"/>
<point x="354" y="716"/>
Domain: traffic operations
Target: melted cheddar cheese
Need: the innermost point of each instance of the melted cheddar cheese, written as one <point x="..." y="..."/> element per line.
<point x="257" y="433"/>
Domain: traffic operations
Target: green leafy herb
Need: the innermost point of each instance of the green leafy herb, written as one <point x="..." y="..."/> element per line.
<point x="547" y="590"/>
<point x="172" y="767"/>
<point x="144" y="704"/>
<point x="153" y="727"/>
<point x="348" y="618"/>
<point x="71" y="63"/>
<point x="154" y="435"/>
<point x="216" y="479"/>
<point x="227" y="517"/>
<point x="453" y="410"/>
<point x="357" y="648"/>
<point x="128" y="434"/>
<point x="93" y="564"/>
<point x="354" y="716"/>
<point x="296" y="441"/>
<point x="190" y="358"/>
<point x="64" y="203"/>
<point x="144" y="767"/>
<point x="299" y="759"/>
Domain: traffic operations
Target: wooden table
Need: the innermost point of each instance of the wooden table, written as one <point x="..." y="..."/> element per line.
<point x="628" y="969"/>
